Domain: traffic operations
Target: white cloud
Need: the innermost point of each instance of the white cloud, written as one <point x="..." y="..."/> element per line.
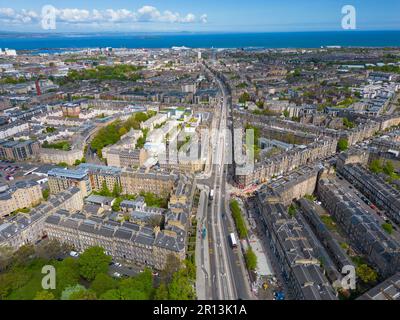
<point x="11" y="16"/>
<point x="190" y="18"/>
<point x="101" y="17"/>
<point x="148" y="13"/>
<point x="118" y="16"/>
<point x="169" y="16"/>
<point x="204" y="18"/>
<point x="7" y="12"/>
<point x="73" y="15"/>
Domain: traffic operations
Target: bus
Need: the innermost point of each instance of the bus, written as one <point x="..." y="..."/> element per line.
<point x="233" y="240"/>
<point x="204" y="233"/>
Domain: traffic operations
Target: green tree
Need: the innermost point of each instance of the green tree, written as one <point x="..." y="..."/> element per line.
<point x="375" y="166"/>
<point x="180" y="287"/>
<point x="260" y="104"/>
<point x="83" y="295"/>
<point x="388" y="228"/>
<point x="103" y="283"/>
<point x="116" y="207"/>
<point x="244" y="98"/>
<point x="93" y="262"/>
<point x="14" y="280"/>
<point x="366" y="273"/>
<point x="343" y="144"/>
<point x="122" y="131"/>
<point x="238" y="219"/>
<point x="46" y="194"/>
<point x="139" y="287"/>
<point x="251" y="259"/>
<point x="152" y="200"/>
<point x="67" y="274"/>
<point x="69" y="291"/>
<point x="63" y="164"/>
<point x="116" y="190"/>
<point x="388" y="168"/>
<point x="190" y="269"/>
<point x="51" y="249"/>
<point x="113" y="294"/>
<point x="348" y="124"/>
<point x="6" y="254"/>
<point x="44" y="295"/>
<point x="292" y="210"/>
<point x="286" y="113"/>
<point x="141" y="117"/>
<point x="172" y="265"/>
<point x="161" y="292"/>
<point x="23" y="255"/>
<point x="105" y="192"/>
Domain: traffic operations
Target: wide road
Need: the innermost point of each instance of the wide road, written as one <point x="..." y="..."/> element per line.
<point x="229" y="280"/>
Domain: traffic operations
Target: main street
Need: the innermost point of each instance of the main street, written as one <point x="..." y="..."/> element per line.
<point x="228" y="276"/>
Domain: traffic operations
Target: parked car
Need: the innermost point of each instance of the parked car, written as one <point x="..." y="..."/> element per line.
<point x="74" y="254"/>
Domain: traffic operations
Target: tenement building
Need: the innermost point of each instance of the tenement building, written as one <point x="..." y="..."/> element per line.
<point x="387" y="290"/>
<point x="128" y="240"/>
<point x="299" y="264"/>
<point x="100" y="175"/>
<point x="22" y="194"/>
<point x="19" y="150"/>
<point x="363" y="230"/>
<point x="159" y="183"/>
<point x="375" y="188"/>
<point x="23" y="229"/>
<point x="285" y="162"/>
<point x="55" y="156"/>
<point x="293" y="186"/>
<point x="62" y="179"/>
<point x="332" y="246"/>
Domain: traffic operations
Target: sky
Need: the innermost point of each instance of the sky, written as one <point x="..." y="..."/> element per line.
<point x="196" y="16"/>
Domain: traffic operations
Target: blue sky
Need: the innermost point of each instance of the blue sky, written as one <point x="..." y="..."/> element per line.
<point x="199" y="15"/>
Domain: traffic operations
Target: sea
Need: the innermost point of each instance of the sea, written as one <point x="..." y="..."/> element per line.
<point x="66" y="41"/>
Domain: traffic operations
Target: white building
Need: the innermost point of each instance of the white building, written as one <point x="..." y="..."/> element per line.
<point x="8" y="52"/>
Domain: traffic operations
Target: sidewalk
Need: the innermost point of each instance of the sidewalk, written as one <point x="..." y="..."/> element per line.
<point x="264" y="267"/>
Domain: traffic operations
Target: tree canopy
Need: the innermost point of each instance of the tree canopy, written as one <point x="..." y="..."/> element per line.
<point x="93" y="262"/>
<point x="251" y="259"/>
<point x="343" y="144"/>
<point x="366" y="273"/>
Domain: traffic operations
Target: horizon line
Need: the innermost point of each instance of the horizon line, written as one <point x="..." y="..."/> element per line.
<point x="194" y="32"/>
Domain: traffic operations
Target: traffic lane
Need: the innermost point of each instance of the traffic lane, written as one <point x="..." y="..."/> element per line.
<point x="238" y="276"/>
<point x="213" y="268"/>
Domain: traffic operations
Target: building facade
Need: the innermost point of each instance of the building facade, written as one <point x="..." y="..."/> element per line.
<point x="23" y="194"/>
<point x="19" y="150"/>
